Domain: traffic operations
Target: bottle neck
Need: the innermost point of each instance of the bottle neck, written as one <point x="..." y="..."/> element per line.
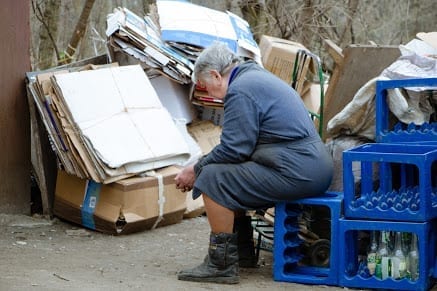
<point x="413" y="242"/>
<point x="398" y="241"/>
<point x="383" y="239"/>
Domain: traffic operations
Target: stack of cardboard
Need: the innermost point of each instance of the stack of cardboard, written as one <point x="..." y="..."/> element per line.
<point x="196" y="28"/>
<point x="170" y="38"/>
<point x="201" y="97"/>
<point x="139" y="38"/>
<point x="105" y="124"/>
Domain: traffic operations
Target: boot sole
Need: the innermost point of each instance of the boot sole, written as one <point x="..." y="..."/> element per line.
<point x="220" y="280"/>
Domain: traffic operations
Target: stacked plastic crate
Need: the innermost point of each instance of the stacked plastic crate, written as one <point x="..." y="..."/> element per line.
<point x="301" y="255"/>
<point x="396" y="192"/>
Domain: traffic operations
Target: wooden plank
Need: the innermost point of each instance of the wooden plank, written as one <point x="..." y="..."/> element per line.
<point x="360" y="64"/>
<point x="14" y="116"/>
<point x="43" y="159"/>
<point x="334" y="51"/>
<point x="337" y="55"/>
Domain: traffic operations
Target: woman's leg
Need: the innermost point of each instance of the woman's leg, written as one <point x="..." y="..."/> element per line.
<point x="221" y="263"/>
<point x="220" y="219"/>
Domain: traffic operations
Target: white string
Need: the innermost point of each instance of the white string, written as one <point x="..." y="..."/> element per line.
<point x="161" y="197"/>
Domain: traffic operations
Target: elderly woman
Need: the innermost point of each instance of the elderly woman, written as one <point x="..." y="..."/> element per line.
<point x="269" y="152"/>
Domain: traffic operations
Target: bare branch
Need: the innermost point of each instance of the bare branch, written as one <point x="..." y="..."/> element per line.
<point x="78" y="33"/>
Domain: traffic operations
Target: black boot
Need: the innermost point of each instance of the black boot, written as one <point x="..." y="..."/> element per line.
<point x="246" y="246"/>
<point x="221" y="263"/>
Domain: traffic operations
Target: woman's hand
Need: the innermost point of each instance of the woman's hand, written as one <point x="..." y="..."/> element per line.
<point x="185" y="178"/>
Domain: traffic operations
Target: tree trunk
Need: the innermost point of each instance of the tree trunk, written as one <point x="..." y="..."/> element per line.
<point x="78" y="32"/>
<point x="351" y="11"/>
<point x="48" y="32"/>
<point x="306" y="20"/>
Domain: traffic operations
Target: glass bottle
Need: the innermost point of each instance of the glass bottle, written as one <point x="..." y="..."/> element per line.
<point x="398" y="262"/>
<point x="371" y="253"/>
<point x="382" y="257"/>
<point x="406" y="241"/>
<point x="413" y="259"/>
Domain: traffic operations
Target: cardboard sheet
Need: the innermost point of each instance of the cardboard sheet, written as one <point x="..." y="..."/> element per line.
<point x="116" y="122"/>
<point x="184" y="22"/>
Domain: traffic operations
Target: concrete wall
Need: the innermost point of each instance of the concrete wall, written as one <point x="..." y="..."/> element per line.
<point x="14" y="113"/>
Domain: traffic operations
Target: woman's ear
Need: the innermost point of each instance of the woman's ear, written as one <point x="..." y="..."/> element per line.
<point x="215" y="75"/>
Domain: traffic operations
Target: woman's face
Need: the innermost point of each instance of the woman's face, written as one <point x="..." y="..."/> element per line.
<point x="215" y="84"/>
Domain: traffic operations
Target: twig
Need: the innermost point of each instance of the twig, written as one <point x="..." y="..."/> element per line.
<point x="60" y="277"/>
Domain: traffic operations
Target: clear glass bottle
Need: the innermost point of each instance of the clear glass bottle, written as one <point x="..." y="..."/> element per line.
<point x="398" y="262"/>
<point x="406" y="242"/>
<point x="413" y="259"/>
<point x="382" y="257"/>
<point x="371" y="253"/>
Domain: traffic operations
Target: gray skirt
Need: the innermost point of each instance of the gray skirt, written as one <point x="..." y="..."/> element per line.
<point x="274" y="173"/>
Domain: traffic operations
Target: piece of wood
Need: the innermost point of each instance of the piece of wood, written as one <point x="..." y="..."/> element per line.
<point x="334" y="51"/>
<point x="360" y="64"/>
<point x="337" y="55"/>
<point x="14" y="116"/>
<point x="43" y="159"/>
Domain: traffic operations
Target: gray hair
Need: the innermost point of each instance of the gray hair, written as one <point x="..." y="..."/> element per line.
<point x="217" y="57"/>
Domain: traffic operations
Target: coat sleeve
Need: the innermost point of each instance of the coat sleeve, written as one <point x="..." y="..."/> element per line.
<point x="239" y="134"/>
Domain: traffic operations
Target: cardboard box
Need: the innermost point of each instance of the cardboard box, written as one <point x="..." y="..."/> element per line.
<point x="278" y="56"/>
<point x="311" y="97"/>
<point x="125" y="206"/>
<point x="206" y="134"/>
<point x="214" y="114"/>
<point x="195" y="208"/>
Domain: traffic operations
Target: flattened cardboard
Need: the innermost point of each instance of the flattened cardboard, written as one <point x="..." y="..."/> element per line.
<point x="188" y="23"/>
<point x="122" y="207"/>
<point x="174" y="97"/>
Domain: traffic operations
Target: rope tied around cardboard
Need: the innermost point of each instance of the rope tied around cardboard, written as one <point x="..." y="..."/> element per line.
<point x="161" y="197"/>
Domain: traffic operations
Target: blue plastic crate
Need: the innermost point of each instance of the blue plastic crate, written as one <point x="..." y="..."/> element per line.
<point x="352" y="275"/>
<point x="398" y="182"/>
<point x="401" y="132"/>
<point x="289" y="262"/>
<point x="423" y="134"/>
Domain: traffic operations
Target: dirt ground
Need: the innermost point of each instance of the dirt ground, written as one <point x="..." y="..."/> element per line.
<point x="41" y="254"/>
